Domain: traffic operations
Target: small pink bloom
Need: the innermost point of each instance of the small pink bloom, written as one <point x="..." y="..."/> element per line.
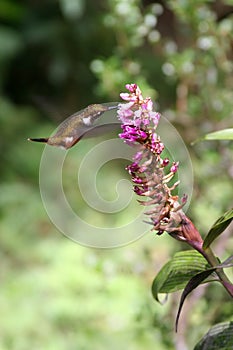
<point x="131" y="87"/>
<point x="165" y="162"/>
<point x="138" y="156"/>
<point x="174" y="167"/>
<point x="125" y="96"/>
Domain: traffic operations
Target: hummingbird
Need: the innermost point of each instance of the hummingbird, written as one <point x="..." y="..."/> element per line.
<point x="72" y="129"/>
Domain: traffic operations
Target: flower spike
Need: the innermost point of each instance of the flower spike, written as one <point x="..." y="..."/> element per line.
<point x="139" y="124"/>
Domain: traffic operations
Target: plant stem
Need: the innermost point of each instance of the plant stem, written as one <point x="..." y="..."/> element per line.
<point x="192" y="236"/>
<point x="213" y="261"/>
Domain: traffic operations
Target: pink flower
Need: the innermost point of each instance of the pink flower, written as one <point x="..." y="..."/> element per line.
<point x="139" y="123"/>
<point x="174" y="167"/>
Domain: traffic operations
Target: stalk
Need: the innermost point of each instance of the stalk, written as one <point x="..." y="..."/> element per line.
<point x="213" y="261"/>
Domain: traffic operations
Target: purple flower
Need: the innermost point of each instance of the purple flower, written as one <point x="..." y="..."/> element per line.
<point x="133" y="134"/>
<point x="133" y="168"/>
<point x="138" y="156"/>
<point x="139" y="123"/>
<point x="138" y="111"/>
<point x="156" y="145"/>
<point x="174" y="167"/>
<point x="140" y="190"/>
<point x="165" y="162"/>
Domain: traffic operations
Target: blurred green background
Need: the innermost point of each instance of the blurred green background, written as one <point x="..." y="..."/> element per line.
<point x="56" y="57"/>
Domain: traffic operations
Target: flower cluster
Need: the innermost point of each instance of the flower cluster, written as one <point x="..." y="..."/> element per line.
<point x="150" y="172"/>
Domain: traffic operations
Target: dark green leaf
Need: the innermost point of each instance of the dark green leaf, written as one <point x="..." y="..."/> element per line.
<point x="175" y="274"/>
<point x="219" y="337"/>
<point x="192" y="284"/>
<point x="219" y="226"/>
<point x="196" y="280"/>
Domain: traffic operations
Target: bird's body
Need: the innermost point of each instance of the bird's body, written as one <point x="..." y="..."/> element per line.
<point x="72" y="129"/>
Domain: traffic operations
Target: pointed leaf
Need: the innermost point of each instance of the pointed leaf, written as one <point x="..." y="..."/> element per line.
<point x="219" y="226"/>
<point x="196" y="280"/>
<point x="225" y="134"/>
<point x="192" y="284"/>
<point x="227" y="262"/>
<point x="175" y="274"/>
<point x="219" y="337"/>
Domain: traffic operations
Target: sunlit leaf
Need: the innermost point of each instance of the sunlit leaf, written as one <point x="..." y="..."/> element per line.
<point x="175" y="274"/>
<point x="225" y="134"/>
<point x="219" y="226"/>
<point x="219" y="337"/>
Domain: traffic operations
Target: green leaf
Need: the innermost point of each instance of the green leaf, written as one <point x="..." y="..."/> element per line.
<point x="225" y="134"/>
<point x="219" y="226"/>
<point x="219" y="337"/>
<point x="175" y="274"/>
<point x="227" y="262"/>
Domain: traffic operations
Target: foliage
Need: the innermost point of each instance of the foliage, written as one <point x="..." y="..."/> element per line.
<point x="218" y="337"/>
<point x="57" y="57"/>
<point x="139" y="124"/>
